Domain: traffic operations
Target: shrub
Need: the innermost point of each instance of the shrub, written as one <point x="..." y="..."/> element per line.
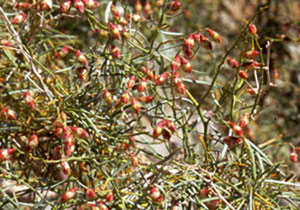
<point x="97" y="112"/>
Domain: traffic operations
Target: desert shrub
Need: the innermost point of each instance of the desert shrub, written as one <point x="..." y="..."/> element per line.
<point x="125" y="105"/>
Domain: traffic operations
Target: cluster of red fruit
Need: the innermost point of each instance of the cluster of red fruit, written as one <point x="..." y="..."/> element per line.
<point x="90" y="195"/>
<point x="248" y="59"/>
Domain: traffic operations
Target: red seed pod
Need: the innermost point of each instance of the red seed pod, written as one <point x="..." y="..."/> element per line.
<point x="115" y="31"/>
<point x="161" y="79"/>
<point x="188" y="51"/>
<point x="155" y="194"/>
<point x="252" y="29"/>
<point x="125" y="97"/>
<point x="175" y="64"/>
<point x="22" y="5"/>
<point x="157" y="131"/>
<point x="64" y="51"/>
<point x="150" y="75"/>
<point x="63" y="133"/>
<point x="142" y="85"/>
<point x="109" y="197"/>
<point x="8" y="113"/>
<point x="294" y="156"/>
<point x="115" y="12"/>
<point x="19" y="18"/>
<point x="179" y="86"/>
<point x="251" y="91"/>
<point x="6" y="154"/>
<point x="189" y="42"/>
<point x="170" y="125"/>
<point x="131" y="82"/>
<point x="204" y="192"/>
<point x="69" y="147"/>
<point x="81" y="58"/>
<point x="148" y="8"/>
<point x="187" y="67"/>
<point x="32" y="142"/>
<point x="83" y="74"/>
<point x="6" y="43"/>
<point x="135" y="105"/>
<point x="69" y="195"/>
<point x="90" y="194"/>
<point x="214" y="35"/>
<point x="236" y="128"/>
<point x="232" y="63"/>
<point x="145" y="99"/>
<point x="251" y="54"/>
<point x="29" y="99"/>
<point x="46" y="5"/>
<point x="116" y="52"/>
<point x="79" y="132"/>
<point x="197" y="37"/>
<point x="65" y="167"/>
<point x="91" y="4"/>
<point x="124" y="32"/>
<point x="174" y="5"/>
<point x="245" y="119"/>
<point x="107" y="96"/>
<point x="243" y="74"/>
<point x="79" y="6"/>
<point x="134" y="160"/>
<point x="66" y="6"/>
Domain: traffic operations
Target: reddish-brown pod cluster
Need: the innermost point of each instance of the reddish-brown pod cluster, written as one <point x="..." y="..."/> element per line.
<point x="252" y="29"/>
<point x="91" y="4"/>
<point x="251" y="54"/>
<point x="164" y="127"/>
<point x="19" y="18"/>
<point x="66" y="6"/>
<point x="81" y="58"/>
<point x="68" y="195"/>
<point x="294" y="156"/>
<point x="155" y="194"/>
<point x="116" y="52"/>
<point x="232" y="63"/>
<point x="174" y="5"/>
<point x="6" y="113"/>
<point x="46" y="5"/>
<point x="236" y="128"/>
<point x="6" y="154"/>
<point x="29" y="99"/>
<point x="214" y="35"/>
<point x="109" y="197"/>
<point x="243" y="74"/>
<point x="90" y="194"/>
